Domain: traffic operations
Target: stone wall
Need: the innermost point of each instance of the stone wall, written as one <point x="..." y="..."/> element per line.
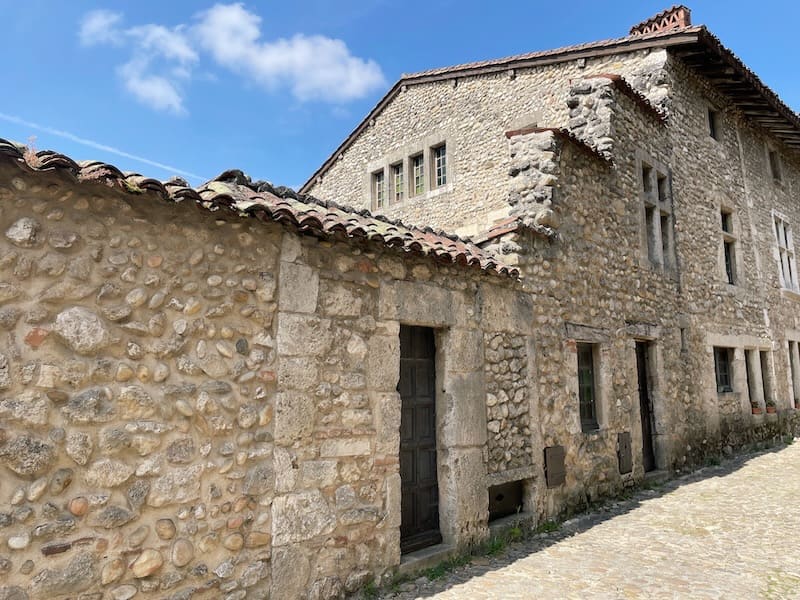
<point x="472" y="114"/>
<point x="508" y="405"/>
<point x="221" y="417"/>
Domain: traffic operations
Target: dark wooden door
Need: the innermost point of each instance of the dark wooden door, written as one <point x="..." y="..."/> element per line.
<point x="420" y="491"/>
<point x="645" y="404"/>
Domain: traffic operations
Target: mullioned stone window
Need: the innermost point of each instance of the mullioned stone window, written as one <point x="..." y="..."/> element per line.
<point x="658" y="242"/>
<point x="416" y="171"/>
<point x="787" y="267"/>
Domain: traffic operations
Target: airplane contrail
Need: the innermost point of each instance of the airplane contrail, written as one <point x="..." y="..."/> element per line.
<point x="98" y="146"/>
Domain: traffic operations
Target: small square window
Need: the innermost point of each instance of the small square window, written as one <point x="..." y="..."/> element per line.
<point x="723" y="369"/>
<point x="587" y="387"/>
<point x="713" y="124"/>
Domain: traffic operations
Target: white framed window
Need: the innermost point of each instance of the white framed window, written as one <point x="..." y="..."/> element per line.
<point x="787" y="267"/>
<point x="378" y="189"/>
<point x="418" y="175"/>
<point x="439" y="154"/>
<point x="398" y="183"/>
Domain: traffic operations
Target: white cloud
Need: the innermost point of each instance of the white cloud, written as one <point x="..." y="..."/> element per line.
<point x="314" y="67"/>
<point x="100" y="27"/>
<point x="154" y="90"/>
<point x="162" y="59"/>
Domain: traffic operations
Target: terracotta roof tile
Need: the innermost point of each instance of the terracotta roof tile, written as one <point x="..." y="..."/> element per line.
<point x="234" y="191"/>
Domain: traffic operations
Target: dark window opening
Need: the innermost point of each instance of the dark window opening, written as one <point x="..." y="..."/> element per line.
<point x="775" y="165"/>
<point x="587" y="390"/>
<point x="713" y="124"/>
<point x="506" y="499"/>
<point x="723" y="367"/>
<point x="730" y="265"/>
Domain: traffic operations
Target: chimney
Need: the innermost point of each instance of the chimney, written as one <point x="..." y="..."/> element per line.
<point x="673" y="18"/>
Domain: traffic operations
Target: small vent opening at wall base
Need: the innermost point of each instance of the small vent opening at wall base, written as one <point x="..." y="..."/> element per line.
<point x="506" y="499"/>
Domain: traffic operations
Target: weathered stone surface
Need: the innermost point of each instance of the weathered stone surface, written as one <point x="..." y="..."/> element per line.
<point x="293" y="416"/>
<point x="26" y="454"/>
<point x="147" y="563"/>
<point x="82" y="330"/>
<point x="112" y="517"/>
<point x="5" y="375"/>
<point x="176" y="486"/>
<point x="13" y="592"/>
<point x="29" y="408"/>
<point x="79" y="447"/>
<point x="8" y="292"/>
<point x="105" y="473"/>
<point x="124" y="592"/>
<point x="25" y="232"/>
<point x="290" y="572"/>
<point x="137" y="493"/>
<point x="135" y="403"/>
<point x="60" y="481"/>
<point x="89" y="407"/>
<point x="165" y="529"/>
<point x="259" y="480"/>
<point x="181" y="451"/>
<point x="182" y="552"/>
<point x="112" y="571"/>
<point x="77" y="576"/>
<point x="300" y="517"/>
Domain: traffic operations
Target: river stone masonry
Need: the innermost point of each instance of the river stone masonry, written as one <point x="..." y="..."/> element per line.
<point x="222" y="417"/>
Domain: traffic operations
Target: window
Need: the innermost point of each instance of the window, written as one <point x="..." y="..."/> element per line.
<point x="440" y="165"/>
<point x="728" y="245"/>
<point x="713" y="124"/>
<point x="659" y="244"/>
<point x="587" y="389"/>
<point x="378" y="189"/>
<point x="723" y="368"/>
<point x="397" y="177"/>
<point x="418" y="174"/>
<point x="794" y="366"/>
<point x="787" y="268"/>
<point x="774" y="165"/>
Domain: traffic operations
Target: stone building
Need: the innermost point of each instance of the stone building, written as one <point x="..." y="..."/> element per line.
<point x="237" y="391"/>
<point x="647" y="189"/>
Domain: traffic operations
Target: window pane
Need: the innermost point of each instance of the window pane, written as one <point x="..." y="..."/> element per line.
<point x="440" y="165"/>
<point x="586" y="387"/>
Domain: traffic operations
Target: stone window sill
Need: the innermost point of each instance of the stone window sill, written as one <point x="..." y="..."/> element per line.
<point x="790" y="294"/>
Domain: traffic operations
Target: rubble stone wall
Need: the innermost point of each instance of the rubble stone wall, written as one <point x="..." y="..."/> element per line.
<point x="198" y="404"/>
<point x="472" y="114"/>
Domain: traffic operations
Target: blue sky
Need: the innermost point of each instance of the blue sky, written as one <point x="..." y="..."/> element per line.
<point x="195" y="88"/>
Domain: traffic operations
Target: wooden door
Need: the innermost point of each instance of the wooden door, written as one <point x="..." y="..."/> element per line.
<point x="645" y="404"/>
<point x="420" y="491"/>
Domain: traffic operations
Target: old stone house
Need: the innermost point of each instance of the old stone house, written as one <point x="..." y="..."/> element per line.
<point x="237" y="391"/>
<point x="647" y="189"/>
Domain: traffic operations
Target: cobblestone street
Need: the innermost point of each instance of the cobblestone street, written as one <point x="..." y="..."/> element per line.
<point x="728" y="531"/>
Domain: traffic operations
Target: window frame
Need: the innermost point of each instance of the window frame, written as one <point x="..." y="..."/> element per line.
<point x="784" y="252"/>
<point x="724" y="378"/>
<point x="657" y="235"/>
<point x="417" y="180"/>
<point x="729" y="245"/>
<point x="774" y="164"/>
<point x="398" y="182"/>
<point x="714" y="124"/>
<point x="588" y="407"/>
<point x="439" y="165"/>
<point x="378" y="185"/>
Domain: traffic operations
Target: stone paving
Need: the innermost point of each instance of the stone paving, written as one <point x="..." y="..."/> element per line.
<point x="728" y="531"/>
